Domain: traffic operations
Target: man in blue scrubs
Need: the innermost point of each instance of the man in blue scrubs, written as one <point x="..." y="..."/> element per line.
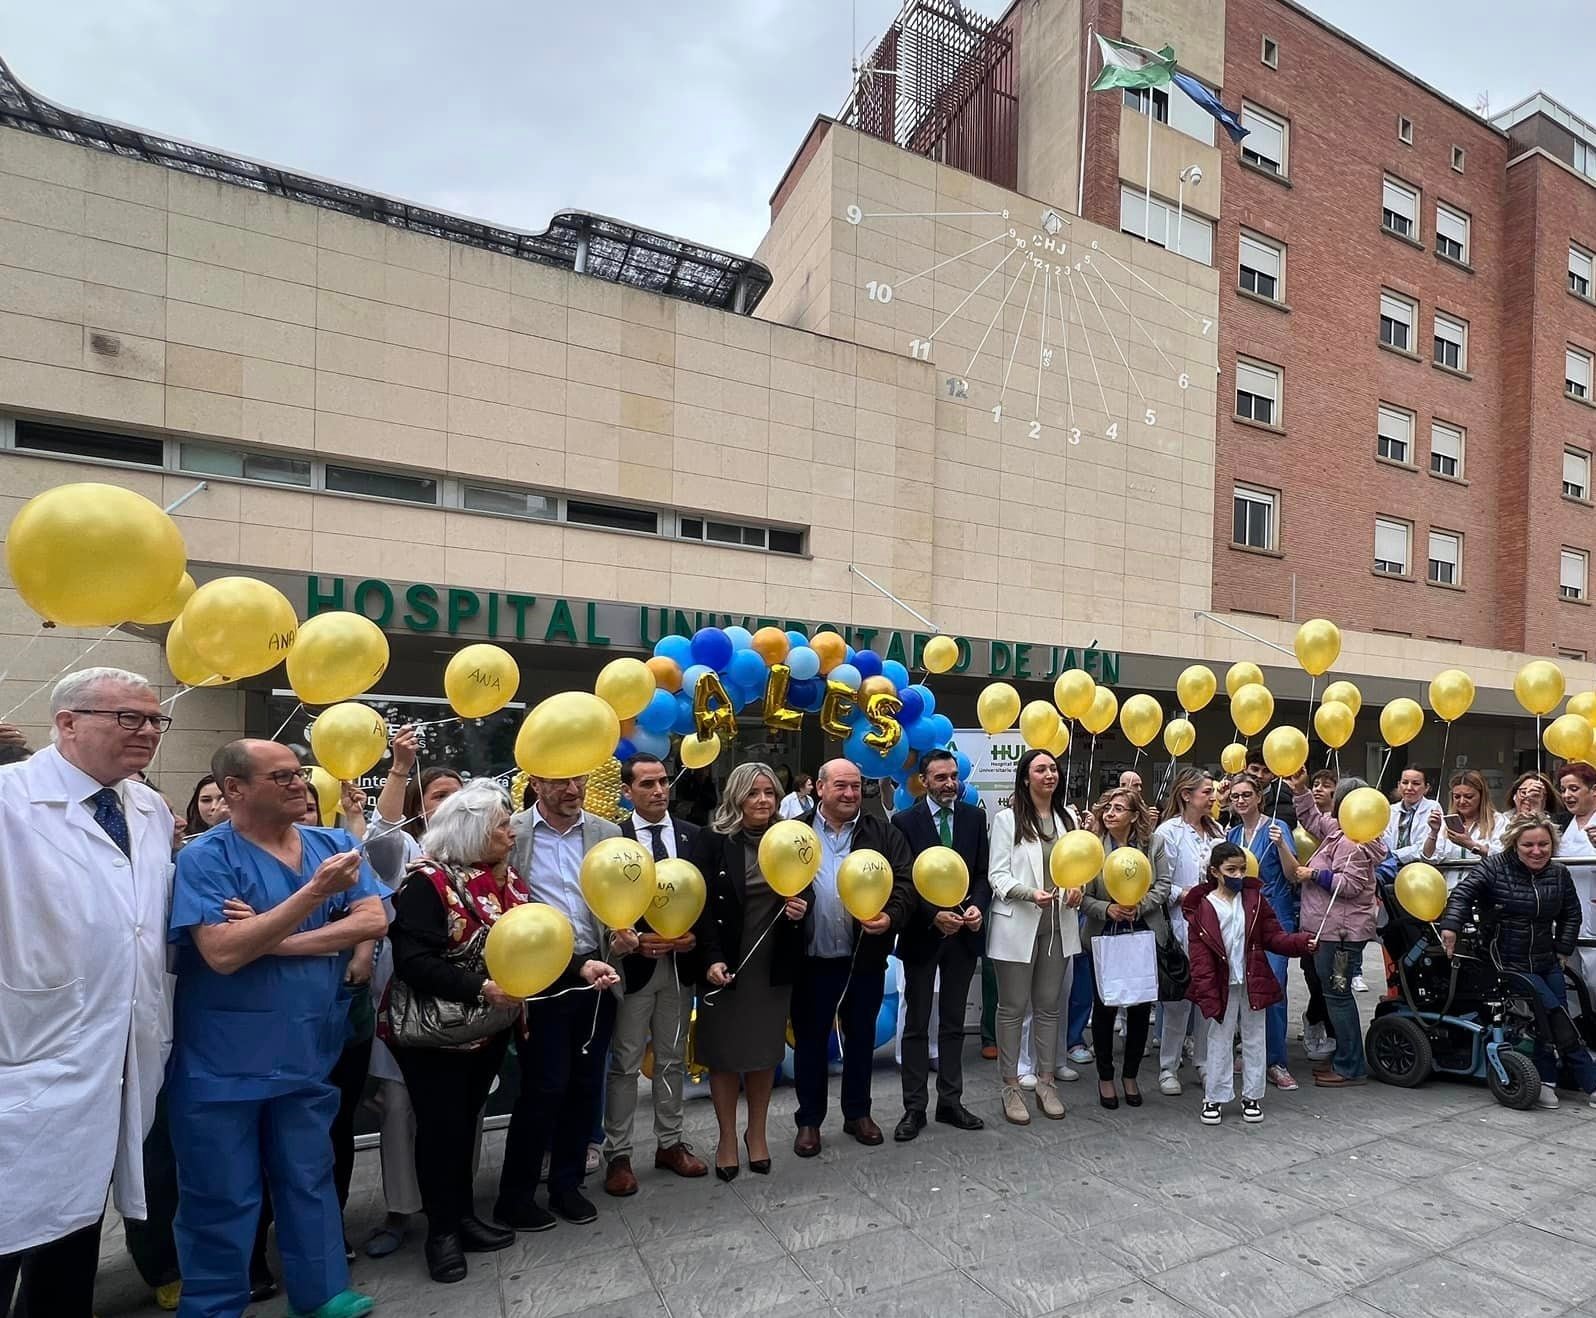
<point x="264" y="913"/>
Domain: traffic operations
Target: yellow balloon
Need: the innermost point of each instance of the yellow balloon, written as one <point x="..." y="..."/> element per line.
<point x="480" y="680"/>
<point x="1100" y="717"/>
<point x="1179" y="736"/>
<point x="187" y="667"/>
<point x="1060" y="742"/>
<point x="1569" y="737"/>
<point x="1285" y="750"/>
<point x="1127" y="875"/>
<point x="91" y="555"/>
<point x="1583" y="704"/>
<point x="1539" y="686"/>
<point x="941" y="876"/>
<point x="328" y="791"/>
<point x="168" y="609"/>
<point x="626" y="685"/>
<point x="997" y="707"/>
<point x="1195" y="687"/>
<point x="1251" y="708"/>
<point x="239" y="626"/>
<point x="1140" y="717"/>
<point x="618" y="881"/>
<point x="337" y="656"/>
<point x="1401" y="721"/>
<point x="1076" y="859"/>
<point x="1233" y="759"/>
<point x="1347" y="693"/>
<point x="1422" y="890"/>
<point x="1240" y="675"/>
<point x="528" y="948"/>
<point x="1333" y="721"/>
<point x="1318" y="645"/>
<point x="1364" y="814"/>
<point x="1451" y="694"/>
<point x="678" y="901"/>
<point x="940" y="654"/>
<point x="1039" y="724"/>
<point x="789" y="857"/>
<point x="566" y="736"/>
<point x="864" y="882"/>
<point x="1073" y="691"/>
<point x="695" y="752"/>
<point x="348" y="739"/>
<point x="1252" y="864"/>
<point x="1305" y="843"/>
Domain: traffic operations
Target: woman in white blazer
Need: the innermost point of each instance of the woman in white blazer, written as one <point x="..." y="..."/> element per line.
<point x="1179" y="857"/>
<point x="1028" y="940"/>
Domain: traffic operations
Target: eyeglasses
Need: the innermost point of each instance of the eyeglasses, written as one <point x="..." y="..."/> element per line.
<point x="131" y="719"/>
<point x="285" y="777"/>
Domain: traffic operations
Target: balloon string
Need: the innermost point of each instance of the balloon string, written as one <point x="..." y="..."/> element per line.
<point x="1446" y="742"/>
<point x="1538" y="768"/>
<point x="706" y="1000"/>
<point x="1380" y="777"/>
<point x="31" y="642"/>
<point x="1334" y="893"/>
<point x="593" y="1033"/>
<point x="549" y="997"/>
<point x="1137" y="758"/>
<point x="439" y="722"/>
<point x="297" y="708"/>
<point x="95" y="645"/>
<point x="1069" y="756"/>
<point x="1090" y="756"/>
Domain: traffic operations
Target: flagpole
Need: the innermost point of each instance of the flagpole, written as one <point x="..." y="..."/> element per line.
<point x="1147" y="201"/>
<point x="1086" y="91"/>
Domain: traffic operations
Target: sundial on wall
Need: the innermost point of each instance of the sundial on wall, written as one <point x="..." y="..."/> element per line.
<point x="1061" y="338"/>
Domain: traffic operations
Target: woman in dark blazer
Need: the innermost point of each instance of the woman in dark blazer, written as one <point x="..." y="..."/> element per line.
<point x="750" y="939"/>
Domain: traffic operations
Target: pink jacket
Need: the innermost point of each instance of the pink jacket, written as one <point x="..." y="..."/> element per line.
<point x="1351" y="866"/>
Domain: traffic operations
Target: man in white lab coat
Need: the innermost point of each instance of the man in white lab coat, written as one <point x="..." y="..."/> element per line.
<point x="85" y="1000"/>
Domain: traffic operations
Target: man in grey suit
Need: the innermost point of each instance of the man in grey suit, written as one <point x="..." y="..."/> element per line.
<point x="567" y="1037"/>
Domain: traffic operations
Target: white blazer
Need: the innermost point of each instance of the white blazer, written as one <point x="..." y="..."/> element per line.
<point x="1013" y="870"/>
<point x="85" y="998"/>
<point x="1417" y="834"/>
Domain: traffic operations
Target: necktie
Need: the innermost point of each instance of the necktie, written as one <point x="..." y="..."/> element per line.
<point x="1405" y="829"/>
<point x="945" y="826"/>
<point x="108" y="815"/>
<point x="658" y="830"/>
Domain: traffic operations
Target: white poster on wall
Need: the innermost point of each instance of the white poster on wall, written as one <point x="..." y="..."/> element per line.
<point x="992" y="763"/>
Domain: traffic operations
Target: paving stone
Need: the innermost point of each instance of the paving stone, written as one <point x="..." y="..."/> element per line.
<point x="1551" y="1264"/>
<point x="1341" y="1252"/>
<point x="1443" y="1288"/>
<point x="1244" y="1282"/>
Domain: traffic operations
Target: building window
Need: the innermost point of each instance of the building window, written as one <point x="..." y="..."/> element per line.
<point x="1270" y="54"/>
<point x="1258" y="392"/>
<point x="1395" y="430"/>
<point x="34" y="437"/>
<point x="1404" y="129"/>
<point x="1263" y="265"/>
<point x="1446" y="450"/>
<point x="1457" y="159"/>
<point x="1399" y="213"/>
<point x="1452" y="234"/>
<point x="1253" y="517"/>
<point x="1579" y="271"/>
<point x="1571" y="654"/>
<point x="1397" y="315"/>
<point x="1576" y="473"/>
<point x="612" y="517"/>
<point x="1165" y="226"/>
<point x="1266" y="141"/>
<point x="380" y="484"/>
<point x="1576" y="373"/>
<point x="730" y="533"/>
<point x="1138" y="98"/>
<point x="509" y="502"/>
<point x="1391" y="542"/>
<point x="209" y="460"/>
<point x="1451" y="342"/>
<point x="1446" y="558"/>
<point x="1572" y="574"/>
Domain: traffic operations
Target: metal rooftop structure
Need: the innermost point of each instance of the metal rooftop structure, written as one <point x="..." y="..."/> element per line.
<point x="594" y="245"/>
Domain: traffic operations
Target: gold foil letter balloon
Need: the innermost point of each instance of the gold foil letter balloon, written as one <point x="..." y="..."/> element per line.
<point x="712" y="708"/>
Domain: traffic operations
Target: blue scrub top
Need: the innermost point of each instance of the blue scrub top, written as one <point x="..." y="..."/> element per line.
<point x="279" y="1023"/>
<point x="1283" y="895"/>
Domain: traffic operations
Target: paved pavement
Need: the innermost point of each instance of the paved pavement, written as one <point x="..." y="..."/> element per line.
<point x="1359" y="1202"/>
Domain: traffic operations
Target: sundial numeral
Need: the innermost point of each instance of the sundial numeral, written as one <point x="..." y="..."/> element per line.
<point x="1113" y="429"/>
<point x="878" y="291"/>
<point x="1035" y="430"/>
<point x="1207" y="325"/>
<point x="1185" y="380"/>
<point x="997" y="413"/>
<point x="854" y="214"/>
<point x="958" y="387"/>
<point x="1075" y="434"/>
<point x="1047" y="356"/>
<point x="1150" y="417"/>
<point x="920" y="348"/>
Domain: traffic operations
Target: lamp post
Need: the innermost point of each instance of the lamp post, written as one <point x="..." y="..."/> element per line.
<point x="1194" y="175"/>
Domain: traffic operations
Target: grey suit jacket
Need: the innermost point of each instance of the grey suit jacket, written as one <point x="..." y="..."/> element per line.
<point x="594" y="831"/>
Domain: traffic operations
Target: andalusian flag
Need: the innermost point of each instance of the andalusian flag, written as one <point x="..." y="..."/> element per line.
<point x="1125" y="65"/>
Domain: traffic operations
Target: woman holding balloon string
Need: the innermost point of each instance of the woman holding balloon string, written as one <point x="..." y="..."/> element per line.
<point x="1481" y="831"/>
<point x="462" y="888"/>
<point x="1179" y="854"/>
<point x="1532" y="793"/>
<point x="750" y="938"/>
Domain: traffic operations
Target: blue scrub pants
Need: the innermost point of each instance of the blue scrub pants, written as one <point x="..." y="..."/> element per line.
<point x="223" y="1150"/>
<point x="1275" y="1017"/>
<point x="1081" y="1000"/>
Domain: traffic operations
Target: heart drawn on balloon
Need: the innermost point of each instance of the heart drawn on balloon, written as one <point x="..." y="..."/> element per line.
<point x="803" y="850"/>
<point x="633" y="870"/>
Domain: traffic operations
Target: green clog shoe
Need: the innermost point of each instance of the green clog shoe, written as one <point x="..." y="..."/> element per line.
<point x="346" y="1304"/>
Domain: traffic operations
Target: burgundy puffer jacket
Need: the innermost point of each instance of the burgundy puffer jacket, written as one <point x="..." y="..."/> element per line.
<point x="1210" y="967"/>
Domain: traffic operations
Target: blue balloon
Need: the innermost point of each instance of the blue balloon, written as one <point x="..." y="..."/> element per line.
<point x="913" y="706"/>
<point x="868" y="662"/>
<point x="740" y="637"/>
<point x="921" y="734"/>
<point x="899" y="675"/>
<point x="690" y="677"/>
<point x="796" y="640"/>
<point x="652" y="743"/>
<point x="970" y="796"/>
<point x="807" y="694"/>
<point x="682" y="721"/>
<point x="804" y="662"/>
<point x="678" y="648"/>
<point x="963" y="761"/>
<point x="903" y="799"/>
<point x="887" y="1020"/>
<point x="659" y="713"/>
<point x="872" y="763"/>
<point x="748" y="670"/>
<point x="847" y="674"/>
<point x="625" y="749"/>
<point x="898" y="757"/>
<point x="926" y="698"/>
<point x="712" y="648"/>
<point x="941" y="729"/>
<point x="625" y="803"/>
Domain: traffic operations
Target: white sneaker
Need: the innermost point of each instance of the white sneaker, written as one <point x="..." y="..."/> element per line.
<point x="1547" y="1098"/>
<point x="1081" y="1055"/>
<point x="1359" y="985"/>
<point x="1066" y="1072"/>
<point x="1168" y="1083"/>
<point x="1027" y="1082"/>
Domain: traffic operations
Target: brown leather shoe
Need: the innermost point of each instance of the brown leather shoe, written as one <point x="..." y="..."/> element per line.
<point x="806" y="1143"/>
<point x="989" y="1052"/>
<point x="681" y="1160"/>
<point x="619" y="1180"/>
<point x="863" y="1129"/>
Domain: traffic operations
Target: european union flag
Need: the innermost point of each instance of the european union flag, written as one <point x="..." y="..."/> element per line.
<point x="1205" y="98"/>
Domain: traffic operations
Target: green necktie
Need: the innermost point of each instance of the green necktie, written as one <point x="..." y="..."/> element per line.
<point x="945" y="826"/>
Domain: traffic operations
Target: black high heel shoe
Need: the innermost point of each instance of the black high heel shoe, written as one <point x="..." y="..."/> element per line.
<point x="726" y="1173"/>
<point x="1132" y="1096"/>
<point x="759" y="1166"/>
<point x="1110" y="1101"/>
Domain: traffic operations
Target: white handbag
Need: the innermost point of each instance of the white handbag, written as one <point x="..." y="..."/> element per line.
<point x="1126" y="965"/>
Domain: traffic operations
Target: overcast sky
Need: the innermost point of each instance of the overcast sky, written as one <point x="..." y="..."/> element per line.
<point x="678" y="116"/>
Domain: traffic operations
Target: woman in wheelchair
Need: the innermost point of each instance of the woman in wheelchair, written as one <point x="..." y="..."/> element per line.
<point x="1527" y="901"/>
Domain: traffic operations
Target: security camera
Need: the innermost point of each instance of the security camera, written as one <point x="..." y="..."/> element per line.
<point x="1193" y="174"/>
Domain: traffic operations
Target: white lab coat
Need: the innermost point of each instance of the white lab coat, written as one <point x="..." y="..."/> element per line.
<point x="85" y="998"/>
<point x="1576" y="842"/>
<point x="1417" y="835"/>
<point x="1016" y="868"/>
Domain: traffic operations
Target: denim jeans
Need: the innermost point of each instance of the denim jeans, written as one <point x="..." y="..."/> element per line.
<point x="1552" y="990"/>
<point x="1081" y="999"/>
<point x="1341" y="1005"/>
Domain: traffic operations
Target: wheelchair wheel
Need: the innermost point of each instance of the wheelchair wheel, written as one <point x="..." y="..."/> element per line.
<point x="1524" y="1081"/>
<point x="1398" y="1051"/>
